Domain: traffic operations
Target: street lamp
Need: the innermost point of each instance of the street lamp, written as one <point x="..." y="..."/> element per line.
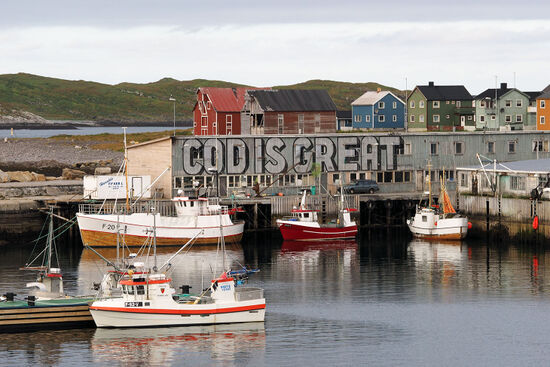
<point x="174" y="100"/>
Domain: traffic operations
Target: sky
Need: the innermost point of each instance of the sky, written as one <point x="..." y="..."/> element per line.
<point x="397" y="43"/>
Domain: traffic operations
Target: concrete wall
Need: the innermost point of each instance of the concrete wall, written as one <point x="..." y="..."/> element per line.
<point x="152" y="159"/>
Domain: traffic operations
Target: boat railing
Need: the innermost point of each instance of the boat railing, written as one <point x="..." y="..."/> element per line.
<point x="164" y="208"/>
<point x="213" y="210"/>
<point x="248" y="293"/>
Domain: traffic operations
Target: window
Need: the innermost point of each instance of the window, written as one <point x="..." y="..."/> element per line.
<point x="411" y="103"/>
<point x="457" y="103"/>
<point x="209" y="105"/>
<point x="421" y="118"/>
<point x="229" y="124"/>
<point x="367" y="118"/>
<point x="491" y="147"/>
<point x="394" y="118"/>
<point x="394" y="105"/>
<point x="408" y="149"/>
<point x="517" y="183"/>
<point x="508" y="118"/>
<point x="542" y="103"/>
<point x="357" y="118"/>
<point x="381" y="118"/>
<point x="508" y="103"/>
<point x="436" y="118"/>
<point x="281" y="123"/>
<point x="463" y="180"/>
<point x="519" y="118"/>
<point x="459" y="147"/>
<point x="493" y="117"/>
<point x="540" y="145"/>
<point x="421" y="104"/>
<point x="433" y="148"/>
<point x="411" y="118"/>
<point x="407" y="176"/>
<point x="474" y="103"/>
<point x="399" y="176"/>
<point x="511" y="147"/>
<point x="424" y="218"/>
<point x="336" y="178"/>
<point x="519" y="103"/>
<point x="435" y="104"/>
<point x="482" y="104"/>
<point x="449" y="102"/>
<point x="301" y="123"/>
<point x="542" y="120"/>
<point x="381" y="105"/>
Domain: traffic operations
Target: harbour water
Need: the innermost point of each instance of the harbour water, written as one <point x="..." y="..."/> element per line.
<point x="88" y="130"/>
<point x="383" y="300"/>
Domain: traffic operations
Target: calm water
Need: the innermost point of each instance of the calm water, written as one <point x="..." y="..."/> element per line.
<point x="32" y="133"/>
<point x="383" y="300"/>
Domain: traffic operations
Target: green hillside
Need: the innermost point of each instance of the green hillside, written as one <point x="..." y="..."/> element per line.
<point x="58" y="99"/>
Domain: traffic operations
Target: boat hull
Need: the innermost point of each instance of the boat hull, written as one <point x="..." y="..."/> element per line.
<point x="297" y="232"/>
<point x="16" y="316"/>
<point x="442" y="229"/>
<point x="109" y="314"/>
<point x="100" y="231"/>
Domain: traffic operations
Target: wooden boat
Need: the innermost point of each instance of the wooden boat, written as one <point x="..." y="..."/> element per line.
<point x="202" y="215"/>
<point x="434" y="222"/>
<point x="303" y="224"/>
<point x="47" y="306"/>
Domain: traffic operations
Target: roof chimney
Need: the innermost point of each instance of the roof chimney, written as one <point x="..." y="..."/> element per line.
<point x="378" y="90"/>
<point x="430" y="84"/>
<point x="503" y="86"/>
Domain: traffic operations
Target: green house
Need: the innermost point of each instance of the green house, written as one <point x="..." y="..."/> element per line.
<point x="440" y="108"/>
<point x="503" y="109"/>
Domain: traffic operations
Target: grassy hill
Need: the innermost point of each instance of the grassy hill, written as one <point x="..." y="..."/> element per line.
<point x="58" y="99"/>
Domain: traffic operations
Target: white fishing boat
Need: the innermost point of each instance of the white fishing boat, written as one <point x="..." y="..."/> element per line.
<point x="99" y="227"/>
<point x="148" y="299"/>
<point x="192" y="215"/>
<point x="434" y="222"/>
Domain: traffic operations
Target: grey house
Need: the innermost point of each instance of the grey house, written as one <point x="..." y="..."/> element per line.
<point x="502" y="109"/>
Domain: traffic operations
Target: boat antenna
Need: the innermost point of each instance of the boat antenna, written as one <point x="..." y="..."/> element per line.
<point x="50" y="239"/>
<point x="154" y="239"/>
<point x="126" y="169"/>
<point x="429" y="184"/>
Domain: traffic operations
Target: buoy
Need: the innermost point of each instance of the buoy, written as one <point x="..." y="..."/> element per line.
<point x="435" y="223"/>
<point x="469" y="225"/>
<point x="536" y="222"/>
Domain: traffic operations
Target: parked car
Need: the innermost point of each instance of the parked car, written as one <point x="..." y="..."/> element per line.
<point x="361" y="187"/>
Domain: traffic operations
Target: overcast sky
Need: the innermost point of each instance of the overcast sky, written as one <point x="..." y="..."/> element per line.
<point x="281" y="42"/>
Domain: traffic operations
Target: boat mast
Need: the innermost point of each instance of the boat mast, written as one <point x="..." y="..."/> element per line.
<point x="126" y="169"/>
<point x="50" y="239"/>
<point x="429" y="184"/>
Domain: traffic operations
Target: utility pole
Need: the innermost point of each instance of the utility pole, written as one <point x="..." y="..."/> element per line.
<point x="174" y="100"/>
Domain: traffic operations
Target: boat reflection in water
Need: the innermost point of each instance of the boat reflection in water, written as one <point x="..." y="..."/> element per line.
<point x="190" y="344"/>
<point x="195" y="267"/>
<point x="328" y="245"/>
<point x="438" y="261"/>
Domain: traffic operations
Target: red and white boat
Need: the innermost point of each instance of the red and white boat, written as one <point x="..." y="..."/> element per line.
<point x="193" y="215"/>
<point x="303" y="224"/>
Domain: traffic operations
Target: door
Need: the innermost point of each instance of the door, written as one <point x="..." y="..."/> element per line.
<point x="137" y="187"/>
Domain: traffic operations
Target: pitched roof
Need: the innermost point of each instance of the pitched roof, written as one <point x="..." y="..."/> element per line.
<point x="343" y="114"/>
<point x="225" y="99"/>
<point x="371" y="97"/>
<point x="533" y="95"/>
<point x="293" y="100"/>
<point x="490" y="93"/>
<point x="445" y="92"/>
<point x="544" y="95"/>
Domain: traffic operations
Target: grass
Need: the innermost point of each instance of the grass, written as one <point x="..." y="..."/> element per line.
<point x="115" y="142"/>
<point x="59" y="99"/>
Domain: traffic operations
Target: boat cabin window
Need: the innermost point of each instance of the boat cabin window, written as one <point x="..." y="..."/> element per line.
<point x="306" y="215"/>
<point x="140" y="289"/>
<point x="424" y="218"/>
<point x="130" y="289"/>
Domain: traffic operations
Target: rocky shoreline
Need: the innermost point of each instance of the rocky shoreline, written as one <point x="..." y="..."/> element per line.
<point x="50" y="156"/>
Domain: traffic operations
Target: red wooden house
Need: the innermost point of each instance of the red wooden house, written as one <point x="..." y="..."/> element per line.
<point x="218" y="111"/>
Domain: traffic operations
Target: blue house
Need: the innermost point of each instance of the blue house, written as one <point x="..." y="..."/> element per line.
<point x="378" y="110"/>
